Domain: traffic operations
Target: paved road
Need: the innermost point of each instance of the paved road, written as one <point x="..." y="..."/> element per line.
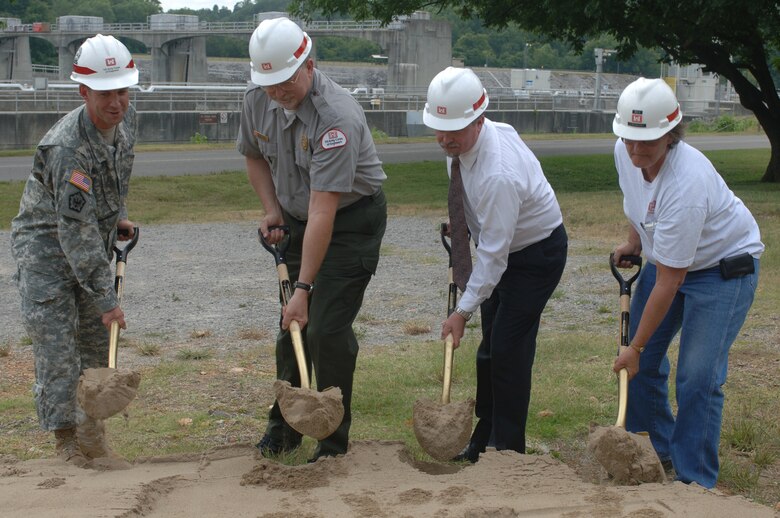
<point x="172" y="163"/>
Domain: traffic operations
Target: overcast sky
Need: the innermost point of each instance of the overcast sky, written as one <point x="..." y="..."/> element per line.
<point x="167" y="5"/>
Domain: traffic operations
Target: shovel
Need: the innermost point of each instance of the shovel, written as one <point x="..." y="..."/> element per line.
<point x="443" y="428"/>
<point x="309" y="412"/>
<point x="103" y="392"/>
<point x="629" y="457"/>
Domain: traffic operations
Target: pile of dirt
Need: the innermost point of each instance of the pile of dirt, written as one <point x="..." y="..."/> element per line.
<point x="374" y="478"/>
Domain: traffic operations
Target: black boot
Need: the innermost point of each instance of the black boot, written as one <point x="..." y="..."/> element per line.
<point x="470" y="453"/>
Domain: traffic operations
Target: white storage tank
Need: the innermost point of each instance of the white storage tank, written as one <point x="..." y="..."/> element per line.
<point x="173" y="22"/>
<point x="8" y="24"/>
<point x="80" y="23"/>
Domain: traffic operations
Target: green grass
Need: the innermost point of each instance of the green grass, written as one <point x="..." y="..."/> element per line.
<point x="191" y="400"/>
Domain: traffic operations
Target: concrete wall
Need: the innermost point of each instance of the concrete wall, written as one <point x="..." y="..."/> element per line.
<point x="24" y="130"/>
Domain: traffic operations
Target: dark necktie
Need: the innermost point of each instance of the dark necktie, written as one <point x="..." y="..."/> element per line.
<point x="459" y="232"/>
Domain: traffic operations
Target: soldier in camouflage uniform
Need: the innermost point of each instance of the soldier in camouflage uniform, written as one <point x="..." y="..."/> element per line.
<point x="63" y="237"/>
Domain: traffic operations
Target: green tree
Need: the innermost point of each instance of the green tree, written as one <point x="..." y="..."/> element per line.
<point x="737" y="40"/>
<point x="101" y="8"/>
<point x="475" y="50"/>
<point x="135" y="11"/>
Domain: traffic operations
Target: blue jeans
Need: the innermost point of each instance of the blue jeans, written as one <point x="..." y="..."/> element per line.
<point x="709" y="311"/>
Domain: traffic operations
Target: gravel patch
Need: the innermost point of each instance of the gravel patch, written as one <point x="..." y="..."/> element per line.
<point x="218" y="280"/>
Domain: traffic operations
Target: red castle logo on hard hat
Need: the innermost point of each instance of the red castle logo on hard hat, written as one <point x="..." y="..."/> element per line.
<point x="266" y="66"/>
<point x="636" y="117"/>
<point x="110" y="62"/>
<point x="441" y="110"/>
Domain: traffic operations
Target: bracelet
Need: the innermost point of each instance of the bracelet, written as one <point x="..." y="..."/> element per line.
<point x="302" y="285"/>
<point x="637" y="349"/>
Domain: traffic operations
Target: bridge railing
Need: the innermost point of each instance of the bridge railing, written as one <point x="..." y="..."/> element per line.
<point x="205" y="26"/>
<point x="172" y="97"/>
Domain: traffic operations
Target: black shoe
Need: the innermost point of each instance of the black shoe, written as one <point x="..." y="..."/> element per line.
<point x="269" y="446"/>
<point x="668" y="467"/>
<point x="470" y="453"/>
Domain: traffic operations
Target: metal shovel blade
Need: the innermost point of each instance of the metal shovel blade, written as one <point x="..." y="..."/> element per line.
<point x="443" y="428"/>
<point x="307" y="411"/>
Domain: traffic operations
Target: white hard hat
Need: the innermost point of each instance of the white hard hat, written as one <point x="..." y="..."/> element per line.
<point x="647" y="110"/>
<point x="104" y="63"/>
<point x="455" y="99"/>
<point x="277" y="48"/>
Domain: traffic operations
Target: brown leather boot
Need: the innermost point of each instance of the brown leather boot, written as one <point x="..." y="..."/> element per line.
<point x="67" y="447"/>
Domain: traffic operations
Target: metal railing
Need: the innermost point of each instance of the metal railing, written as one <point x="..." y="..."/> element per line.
<point x="63" y="97"/>
<point x="197" y="26"/>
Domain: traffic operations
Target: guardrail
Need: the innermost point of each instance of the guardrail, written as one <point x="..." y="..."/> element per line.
<point x="205" y="26"/>
<point x="172" y="97"/>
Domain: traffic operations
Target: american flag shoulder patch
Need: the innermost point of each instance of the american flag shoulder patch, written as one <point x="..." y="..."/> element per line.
<point x="80" y="180"/>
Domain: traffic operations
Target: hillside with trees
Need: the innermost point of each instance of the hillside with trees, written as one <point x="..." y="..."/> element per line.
<point x="472" y="42"/>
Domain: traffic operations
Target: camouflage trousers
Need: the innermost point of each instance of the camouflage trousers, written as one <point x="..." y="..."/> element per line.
<point x="67" y="336"/>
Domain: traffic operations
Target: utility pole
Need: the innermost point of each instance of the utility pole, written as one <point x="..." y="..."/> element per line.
<point x="600" y="54"/>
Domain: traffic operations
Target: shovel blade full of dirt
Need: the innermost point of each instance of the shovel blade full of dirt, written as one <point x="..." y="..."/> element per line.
<point x="628" y="457"/>
<point x="106" y="391"/>
<point x="310" y="412"/>
<point x="443" y="428"/>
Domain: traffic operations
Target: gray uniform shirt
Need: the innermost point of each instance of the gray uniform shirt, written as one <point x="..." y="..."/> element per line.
<point x="325" y="146"/>
<point x="73" y="199"/>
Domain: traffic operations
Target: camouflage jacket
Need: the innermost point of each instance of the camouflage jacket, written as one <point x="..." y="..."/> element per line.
<point x="73" y="199"/>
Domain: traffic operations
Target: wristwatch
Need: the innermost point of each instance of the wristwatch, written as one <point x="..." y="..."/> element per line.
<point x="462" y="312"/>
<point x="302" y="285"/>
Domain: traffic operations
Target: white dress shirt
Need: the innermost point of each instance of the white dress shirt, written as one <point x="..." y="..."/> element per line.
<point x="509" y="205"/>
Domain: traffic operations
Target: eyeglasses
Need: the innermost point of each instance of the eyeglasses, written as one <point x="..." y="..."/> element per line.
<point x="286" y="85"/>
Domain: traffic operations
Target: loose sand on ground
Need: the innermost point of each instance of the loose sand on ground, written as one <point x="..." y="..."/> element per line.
<point x="375" y="479"/>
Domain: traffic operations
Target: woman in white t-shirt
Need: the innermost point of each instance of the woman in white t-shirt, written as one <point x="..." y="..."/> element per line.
<point x="702" y="248"/>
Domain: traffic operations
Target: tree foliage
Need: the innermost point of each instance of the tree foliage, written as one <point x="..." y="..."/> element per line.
<point x="737" y="40"/>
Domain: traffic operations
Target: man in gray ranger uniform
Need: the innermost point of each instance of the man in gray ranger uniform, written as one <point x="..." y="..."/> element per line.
<point x="64" y="234"/>
<point x="311" y="159"/>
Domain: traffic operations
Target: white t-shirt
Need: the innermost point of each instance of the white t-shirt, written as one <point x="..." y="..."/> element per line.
<point x="509" y="205"/>
<point x="687" y="217"/>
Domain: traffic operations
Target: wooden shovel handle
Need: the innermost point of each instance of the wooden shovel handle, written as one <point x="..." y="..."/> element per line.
<point x="449" y="353"/>
<point x="622" y="398"/>
<point x="623" y="374"/>
<point x="300" y="356"/>
<point x="113" y="340"/>
<point x="295" y="327"/>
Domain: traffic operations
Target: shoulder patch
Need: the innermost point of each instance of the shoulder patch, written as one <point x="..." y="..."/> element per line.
<point x="80" y="180"/>
<point x="333" y="138"/>
<point x="76" y="202"/>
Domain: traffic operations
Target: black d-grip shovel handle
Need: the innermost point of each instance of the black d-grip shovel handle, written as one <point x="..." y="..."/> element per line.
<point x="121" y="259"/>
<point x="452" y="295"/>
<point x="625" y="284"/>
<point x="279" y="250"/>
<point x="121" y="253"/>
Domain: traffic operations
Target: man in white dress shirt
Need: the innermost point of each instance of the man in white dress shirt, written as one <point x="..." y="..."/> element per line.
<point x="521" y="244"/>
